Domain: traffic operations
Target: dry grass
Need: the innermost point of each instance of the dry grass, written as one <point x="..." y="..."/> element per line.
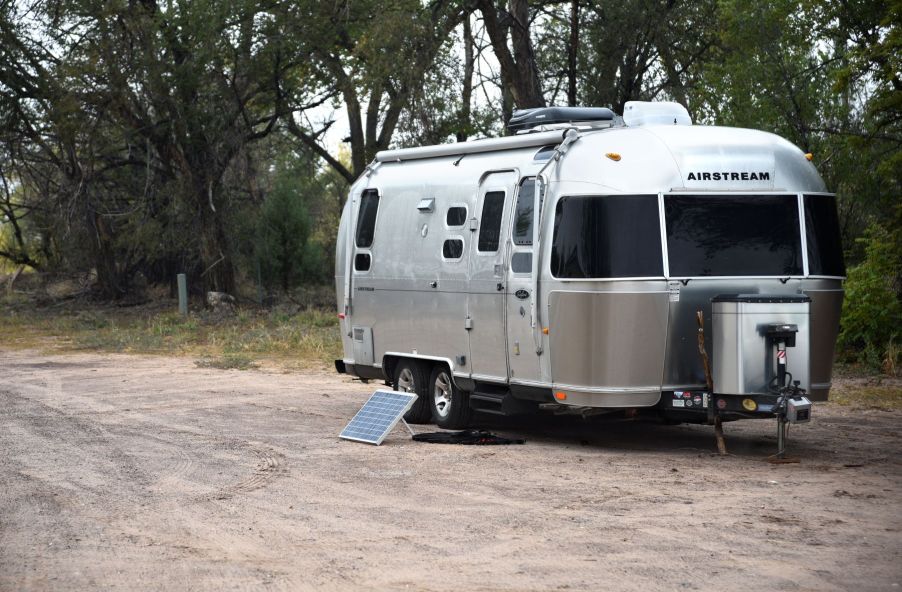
<point x="852" y="387"/>
<point x="286" y="335"/>
<point x="282" y="337"/>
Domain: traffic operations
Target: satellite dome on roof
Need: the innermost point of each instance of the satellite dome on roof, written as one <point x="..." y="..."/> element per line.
<point x="638" y="113"/>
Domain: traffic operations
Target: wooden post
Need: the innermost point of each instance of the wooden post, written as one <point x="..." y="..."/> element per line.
<point x="183" y="293"/>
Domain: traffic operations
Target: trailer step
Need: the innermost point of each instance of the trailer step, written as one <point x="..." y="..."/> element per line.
<point x="498" y="400"/>
<point x="488" y="402"/>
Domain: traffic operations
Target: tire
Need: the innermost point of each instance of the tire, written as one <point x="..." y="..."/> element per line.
<point x="450" y="406"/>
<point x="411" y="377"/>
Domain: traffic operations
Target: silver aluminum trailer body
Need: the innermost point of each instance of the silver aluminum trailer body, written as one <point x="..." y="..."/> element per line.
<point x="604" y="314"/>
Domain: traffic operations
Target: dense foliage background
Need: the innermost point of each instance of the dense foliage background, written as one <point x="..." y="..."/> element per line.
<point x="142" y="138"/>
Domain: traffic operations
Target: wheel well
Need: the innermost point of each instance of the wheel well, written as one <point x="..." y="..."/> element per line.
<point x="390" y="362"/>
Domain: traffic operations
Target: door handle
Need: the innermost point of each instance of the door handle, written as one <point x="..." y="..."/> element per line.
<point x="500" y="286"/>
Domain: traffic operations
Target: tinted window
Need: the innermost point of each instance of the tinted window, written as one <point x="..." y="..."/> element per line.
<point x="453" y="248"/>
<point x="490" y="225"/>
<point x="735" y="235"/>
<point x="521" y="262"/>
<point x="607" y="237"/>
<point x="366" y="219"/>
<point x="456" y="216"/>
<point x="524" y="213"/>
<point x="544" y="153"/>
<point x="362" y="262"/>
<point x="822" y="230"/>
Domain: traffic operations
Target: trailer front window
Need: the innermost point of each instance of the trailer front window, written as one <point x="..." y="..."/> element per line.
<point x="733" y="235"/>
<point x="609" y="236"/>
<point x="823" y="237"/>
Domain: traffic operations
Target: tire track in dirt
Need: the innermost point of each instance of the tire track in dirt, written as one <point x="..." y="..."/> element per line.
<point x="270" y="465"/>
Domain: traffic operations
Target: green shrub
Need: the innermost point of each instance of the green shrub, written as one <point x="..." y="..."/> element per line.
<point x="872" y="310"/>
<point x="286" y="256"/>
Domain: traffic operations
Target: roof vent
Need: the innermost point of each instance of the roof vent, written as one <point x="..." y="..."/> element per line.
<point x="526" y="119"/>
<point x="639" y="113"/>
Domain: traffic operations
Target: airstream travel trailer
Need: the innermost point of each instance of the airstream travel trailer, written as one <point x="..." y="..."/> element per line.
<point x="564" y="267"/>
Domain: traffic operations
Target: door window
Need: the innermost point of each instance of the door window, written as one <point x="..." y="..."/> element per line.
<point x="521" y="260"/>
<point x="490" y="225"/>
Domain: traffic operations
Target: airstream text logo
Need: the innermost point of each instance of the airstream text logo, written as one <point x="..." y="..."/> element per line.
<point x="727" y="176"/>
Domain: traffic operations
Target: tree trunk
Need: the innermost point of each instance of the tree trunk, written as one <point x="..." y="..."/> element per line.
<point x="110" y="283"/>
<point x="466" y="99"/>
<point x="572" y="52"/>
<point x="519" y="72"/>
<point x="219" y="270"/>
<point x="507" y="105"/>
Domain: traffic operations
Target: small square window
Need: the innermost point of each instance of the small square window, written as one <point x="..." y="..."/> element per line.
<point x="362" y="262"/>
<point x="453" y="248"/>
<point x="457" y="216"/>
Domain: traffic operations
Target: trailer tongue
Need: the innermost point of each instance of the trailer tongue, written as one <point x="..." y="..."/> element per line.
<point x="753" y="335"/>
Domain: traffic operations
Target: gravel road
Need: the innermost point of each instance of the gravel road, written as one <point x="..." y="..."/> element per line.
<point x="123" y="472"/>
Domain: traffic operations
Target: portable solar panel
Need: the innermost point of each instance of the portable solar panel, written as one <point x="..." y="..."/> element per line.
<point x="378" y="416"/>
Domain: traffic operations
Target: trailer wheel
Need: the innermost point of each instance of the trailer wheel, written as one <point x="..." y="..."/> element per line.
<point x="412" y="377"/>
<point x="450" y="405"/>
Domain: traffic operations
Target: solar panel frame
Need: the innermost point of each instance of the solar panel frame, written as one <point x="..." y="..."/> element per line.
<point x="378" y="416"/>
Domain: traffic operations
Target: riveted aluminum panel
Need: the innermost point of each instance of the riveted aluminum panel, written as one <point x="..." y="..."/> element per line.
<point x="609" y="341"/>
<point x="826" y="307"/>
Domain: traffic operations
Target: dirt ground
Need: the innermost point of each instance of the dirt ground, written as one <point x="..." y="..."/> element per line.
<point x="122" y="472"/>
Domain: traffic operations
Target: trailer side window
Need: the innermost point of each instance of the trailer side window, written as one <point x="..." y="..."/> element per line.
<point x="453" y="248"/>
<point x="822" y="230"/>
<point x="490" y="225"/>
<point x="366" y="218"/>
<point x="733" y="235"/>
<point x="456" y="216"/>
<point x="362" y="262"/>
<point x="610" y="236"/>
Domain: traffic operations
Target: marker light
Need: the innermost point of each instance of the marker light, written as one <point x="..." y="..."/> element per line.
<point x="613" y="156"/>
<point x="560" y="396"/>
<point x="809" y="157"/>
<point x="749" y="404"/>
<point x="544" y="330"/>
<point x="341" y="315"/>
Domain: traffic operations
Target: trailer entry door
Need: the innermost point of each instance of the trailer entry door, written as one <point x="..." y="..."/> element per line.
<point x="521" y="349"/>
<point x="487" y="290"/>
